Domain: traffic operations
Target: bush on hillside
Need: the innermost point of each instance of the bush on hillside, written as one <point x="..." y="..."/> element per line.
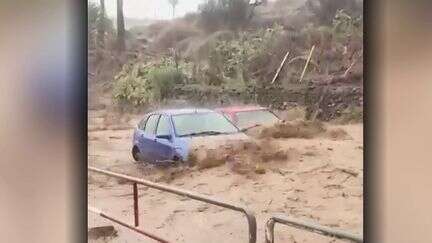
<point x="231" y="59"/>
<point x="132" y="86"/>
<point x="325" y="10"/>
<point x="140" y="84"/>
<point x="352" y="114"/>
<point x="164" y="79"/>
<point x="336" y="48"/>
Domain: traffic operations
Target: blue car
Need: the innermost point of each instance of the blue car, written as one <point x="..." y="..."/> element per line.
<point x="165" y="136"/>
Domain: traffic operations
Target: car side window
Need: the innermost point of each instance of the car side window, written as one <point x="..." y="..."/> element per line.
<point x="142" y="123"/>
<point x="227" y="116"/>
<point x="163" y="127"/>
<point x="150" y="126"/>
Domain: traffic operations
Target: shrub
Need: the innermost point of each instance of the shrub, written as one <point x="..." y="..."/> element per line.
<point x="352" y="114"/>
<point x="233" y="59"/>
<point x="140" y="84"/>
<point x="132" y="86"/>
<point x="164" y="79"/>
<point x="345" y="25"/>
<point x="325" y="10"/>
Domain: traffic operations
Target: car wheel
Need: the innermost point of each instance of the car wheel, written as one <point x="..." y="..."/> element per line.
<point x="136" y="153"/>
<point x="178" y="161"/>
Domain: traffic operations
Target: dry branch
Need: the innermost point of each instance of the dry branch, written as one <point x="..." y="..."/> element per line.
<point x="280" y="67"/>
<point x="349" y="68"/>
<point x="307" y="63"/>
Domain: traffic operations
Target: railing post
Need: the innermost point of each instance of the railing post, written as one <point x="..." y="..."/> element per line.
<point x="269" y="231"/>
<point x="252" y="226"/>
<point x="136" y="212"/>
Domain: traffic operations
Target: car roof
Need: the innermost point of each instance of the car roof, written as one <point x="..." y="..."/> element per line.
<point x="182" y="111"/>
<point x="232" y="109"/>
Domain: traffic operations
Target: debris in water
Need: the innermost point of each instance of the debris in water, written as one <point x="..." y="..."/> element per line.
<point x="102" y="232"/>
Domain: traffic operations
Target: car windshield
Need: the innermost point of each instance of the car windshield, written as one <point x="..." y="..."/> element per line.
<point x="210" y="123"/>
<point x="247" y="119"/>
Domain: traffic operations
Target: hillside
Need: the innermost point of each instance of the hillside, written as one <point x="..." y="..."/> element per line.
<point x="234" y="59"/>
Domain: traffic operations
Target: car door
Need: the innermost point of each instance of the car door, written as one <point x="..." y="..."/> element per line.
<point x="164" y="147"/>
<point x="148" y="137"/>
<point x="137" y="137"/>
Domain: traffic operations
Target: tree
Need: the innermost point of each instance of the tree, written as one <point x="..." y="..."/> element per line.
<point x="100" y="27"/>
<point x="120" y="27"/>
<point x="100" y="30"/>
<point x="173" y="4"/>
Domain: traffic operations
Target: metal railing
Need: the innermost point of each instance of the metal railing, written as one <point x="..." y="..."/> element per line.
<point x="129" y="226"/>
<point x="192" y="195"/>
<point x="309" y="226"/>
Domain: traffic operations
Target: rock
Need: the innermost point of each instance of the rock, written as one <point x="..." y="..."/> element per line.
<point x="178" y="211"/>
<point x="102" y="232"/>
<point x="202" y="208"/>
<point x="114" y="137"/>
<point x="284" y="172"/>
<point x="348" y="171"/>
<point x="260" y="170"/>
<point x="160" y="226"/>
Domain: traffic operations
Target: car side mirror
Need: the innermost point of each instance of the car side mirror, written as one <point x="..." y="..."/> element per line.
<point x="166" y="136"/>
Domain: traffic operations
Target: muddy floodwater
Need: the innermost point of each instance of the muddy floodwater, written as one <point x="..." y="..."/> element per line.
<point x="320" y="179"/>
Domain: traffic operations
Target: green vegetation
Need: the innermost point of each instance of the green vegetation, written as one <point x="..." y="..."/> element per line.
<point x="141" y="84"/>
<point x="231" y="60"/>
<point x="230" y="50"/>
<point x="250" y="58"/>
<point x="325" y="10"/>
<point x="352" y="114"/>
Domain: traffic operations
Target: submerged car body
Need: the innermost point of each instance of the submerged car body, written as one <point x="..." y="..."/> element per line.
<point x="166" y="136"/>
<point x="245" y="117"/>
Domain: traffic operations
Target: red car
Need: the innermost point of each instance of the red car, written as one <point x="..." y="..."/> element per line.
<point x="245" y="117"/>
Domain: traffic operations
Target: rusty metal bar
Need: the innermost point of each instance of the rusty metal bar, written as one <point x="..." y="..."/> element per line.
<point x="309" y="226"/>
<point x="136" y="212"/>
<point x="104" y="215"/>
<point x="249" y="214"/>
